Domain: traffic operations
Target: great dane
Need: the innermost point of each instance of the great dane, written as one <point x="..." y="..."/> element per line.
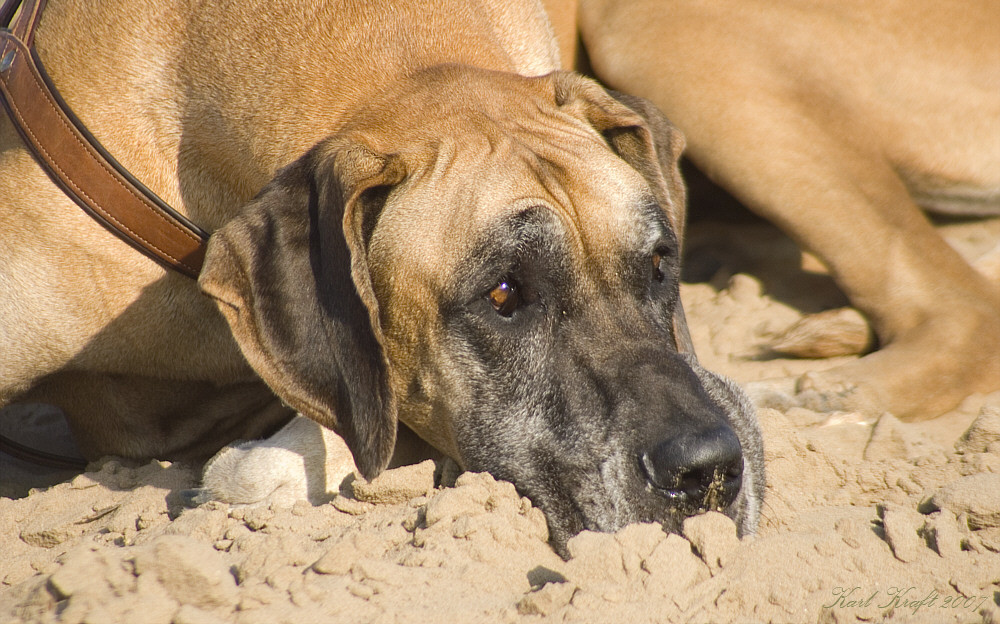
<point x="459" y="240"/>
<point x="838" y="121"/>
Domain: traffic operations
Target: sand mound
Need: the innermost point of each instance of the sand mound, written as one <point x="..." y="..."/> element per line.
<point x="864" y="520"/>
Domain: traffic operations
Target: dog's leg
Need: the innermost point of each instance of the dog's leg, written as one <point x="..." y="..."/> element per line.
<point x="989" y="264"/>
<point x="937" y="318"/>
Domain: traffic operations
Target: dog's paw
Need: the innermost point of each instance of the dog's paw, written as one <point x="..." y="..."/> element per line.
<point x="827" y="334"/>
<point x="303" y="461"/>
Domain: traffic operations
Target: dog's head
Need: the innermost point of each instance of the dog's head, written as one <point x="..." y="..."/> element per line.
<point x="493" y="260"/>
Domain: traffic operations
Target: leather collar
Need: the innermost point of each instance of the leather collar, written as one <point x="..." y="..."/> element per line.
<point x="76" y="161"/>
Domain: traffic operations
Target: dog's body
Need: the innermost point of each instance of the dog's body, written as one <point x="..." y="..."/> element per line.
<point x="203" y="119"/>
<point x="835" y="121"/>
<point x="490" y="258"/>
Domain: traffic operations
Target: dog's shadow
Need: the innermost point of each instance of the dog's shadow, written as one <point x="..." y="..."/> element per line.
<point x="36" y="428"/>
<point x="43" y="427"/>
<point x="724" y="238"/>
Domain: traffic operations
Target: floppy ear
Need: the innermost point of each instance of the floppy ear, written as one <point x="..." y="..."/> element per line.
<point x="643" y="137"/>
<point x="290" y="276"/>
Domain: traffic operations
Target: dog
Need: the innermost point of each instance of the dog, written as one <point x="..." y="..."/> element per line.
<point x="458" y="240"/>
<point x="839" y="122"/>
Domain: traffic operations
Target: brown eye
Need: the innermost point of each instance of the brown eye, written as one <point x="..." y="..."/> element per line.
<point x="657" y="273"/>
<point x="504" y="298"/>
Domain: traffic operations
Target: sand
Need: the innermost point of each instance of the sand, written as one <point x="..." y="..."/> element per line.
<point x="866" y="518"/>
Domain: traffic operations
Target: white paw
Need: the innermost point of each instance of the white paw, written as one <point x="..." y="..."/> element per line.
<point x="303" y="461"/>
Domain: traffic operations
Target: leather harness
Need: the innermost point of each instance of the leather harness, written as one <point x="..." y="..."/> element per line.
<point x="76" y="161"/>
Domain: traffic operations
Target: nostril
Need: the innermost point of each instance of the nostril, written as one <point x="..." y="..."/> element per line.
<point x="701" y="470"/>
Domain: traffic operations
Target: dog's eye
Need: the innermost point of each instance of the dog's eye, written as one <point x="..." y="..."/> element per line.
<point x="657" y="272"/>
<point x="505" y="297"/>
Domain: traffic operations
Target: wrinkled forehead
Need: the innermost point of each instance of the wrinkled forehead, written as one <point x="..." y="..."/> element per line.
<point x="478" y="189"/>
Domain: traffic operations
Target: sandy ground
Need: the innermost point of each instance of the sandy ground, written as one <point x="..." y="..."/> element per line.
<point x="865" y="518"/>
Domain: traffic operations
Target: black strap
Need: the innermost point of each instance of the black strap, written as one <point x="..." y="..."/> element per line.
<point x="34" y="456"/>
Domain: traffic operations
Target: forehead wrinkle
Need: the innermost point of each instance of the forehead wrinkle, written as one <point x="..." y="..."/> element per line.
<point x="607" y="220"/>
<point x="550" y="139"/>
<point x="551" y="158"/>
<point x="551" y="177"/>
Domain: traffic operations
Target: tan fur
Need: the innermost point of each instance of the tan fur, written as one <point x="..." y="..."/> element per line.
<point x="563" y="15"/>
<point x="203" y="103"/>
<point x="836" y="120"/>
<point x="831" y="333"/>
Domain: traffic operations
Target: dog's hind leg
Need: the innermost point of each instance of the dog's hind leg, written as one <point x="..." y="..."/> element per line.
<point x="937" y="318"/>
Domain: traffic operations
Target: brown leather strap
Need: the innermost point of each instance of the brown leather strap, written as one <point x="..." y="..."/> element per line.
<point x="77" y="162"/>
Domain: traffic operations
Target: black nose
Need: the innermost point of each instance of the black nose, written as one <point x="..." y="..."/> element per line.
<point x="696" y="471"/>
